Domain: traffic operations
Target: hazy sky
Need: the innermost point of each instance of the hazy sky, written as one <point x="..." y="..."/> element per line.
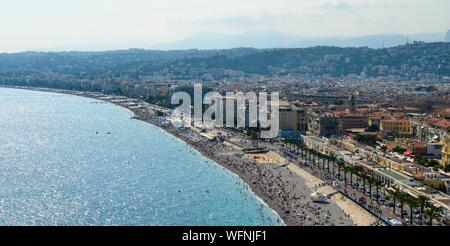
<point x="88" y="24"/>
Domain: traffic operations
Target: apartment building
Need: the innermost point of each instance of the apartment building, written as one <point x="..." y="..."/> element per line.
<point x="350" y="121"/>
<point x="396" y="127"/>
<point x="293" y="121"/>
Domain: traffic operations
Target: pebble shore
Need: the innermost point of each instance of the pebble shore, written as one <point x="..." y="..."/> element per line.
<point x="281" y="189"/>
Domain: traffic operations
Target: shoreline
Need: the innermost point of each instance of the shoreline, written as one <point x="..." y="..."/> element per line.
<point x="266" y="182"/>
<point x="258" y="195"/>
<point x="227" y="168"/>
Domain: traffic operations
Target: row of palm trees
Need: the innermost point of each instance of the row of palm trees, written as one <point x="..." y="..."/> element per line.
<point x="421" y="201"/>
<point x="331" y="164"/>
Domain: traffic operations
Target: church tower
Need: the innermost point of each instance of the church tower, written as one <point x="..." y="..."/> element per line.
<point x="352" y="104"/>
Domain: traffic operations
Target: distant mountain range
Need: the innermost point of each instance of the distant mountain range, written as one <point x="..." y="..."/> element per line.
<point x="263" y="40"/>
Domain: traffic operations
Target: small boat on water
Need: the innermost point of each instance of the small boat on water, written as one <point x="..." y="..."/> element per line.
<point x="319" y="197"/>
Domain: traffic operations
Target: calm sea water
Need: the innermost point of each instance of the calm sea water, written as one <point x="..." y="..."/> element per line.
<point x="67" y="160"/>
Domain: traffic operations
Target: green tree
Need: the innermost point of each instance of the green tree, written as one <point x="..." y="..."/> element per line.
<point x="378" y="184"/>
<point x="357" y="171"/>
<point x="333" y="161"/>
<point x="394" y="192"/>
<point x="350" y="170"/>
<point x="384" y="149"/>
<point x="371" y="182"/>
<point x="412" y="203"/>
<point x="431" y="213"/>
<point x="433" y="163"/>
<point x="399" y="150"/>
<point x="422" y="203"/>
<point x="403" y="198"/>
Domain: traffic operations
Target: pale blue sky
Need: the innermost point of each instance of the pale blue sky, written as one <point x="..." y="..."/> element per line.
<point x="103" y="24"/>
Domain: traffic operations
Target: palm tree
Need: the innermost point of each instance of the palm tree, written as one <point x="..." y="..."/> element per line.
<point x="336" y="166"/>
<point x="317" y="155"/>
<point x="392" y="195"/>
<point x="412" y="203"/>
<point x="314" y="156"/>
<point x="308" y="154"/>
<point x="422" y="203"/>
<point x="395" y="193"/>
<point x="362" y="179"/>
<point x="356" y="171"/>
<point x="302" y="147"/>
<point x="329" y="159"/>
<point x="324" y="158"/>
<point x="293" y="145"/>
<point x="351" y="170"/>
<point x="325" y="161"/>
<point x="341" y="166"/>
<point x="254" y="134"/>
<point x="378" y="184"/>
<point x="403" y="197"/>
<point x="346" y="169"/>
<point x="365" y="180"/>
<point x="305" y="152"/>
<point x="333" y="161"/>
<point x="370" y="181"/>
<point x="431" y="213"/>
<point x="317" y="158"/>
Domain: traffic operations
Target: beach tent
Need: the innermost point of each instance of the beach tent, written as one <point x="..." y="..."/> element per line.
<point x="395" y="222"/>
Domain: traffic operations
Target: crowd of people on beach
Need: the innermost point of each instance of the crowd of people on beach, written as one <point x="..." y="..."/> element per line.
<point x="267" y="181"/>
<point x="288" y="196"/>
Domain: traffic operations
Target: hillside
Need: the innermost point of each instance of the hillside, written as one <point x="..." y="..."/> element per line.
<point x="409" y="61"/>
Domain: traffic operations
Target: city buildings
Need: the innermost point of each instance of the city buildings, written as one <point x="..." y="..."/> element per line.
<point x="396" y="127"/>
<point x="352" y="120"/>
<point x="293" y="121"/>
<point x="445" y="162"/>
<point x="325" y="125"/>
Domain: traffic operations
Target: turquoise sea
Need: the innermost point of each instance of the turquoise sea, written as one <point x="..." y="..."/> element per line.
<point x="68" y="160"/>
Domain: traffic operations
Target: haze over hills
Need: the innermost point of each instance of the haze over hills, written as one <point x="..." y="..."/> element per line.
<point x="269" y="39"/>
<point x="413" y="61"/>
<point x="260" y="40"/>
